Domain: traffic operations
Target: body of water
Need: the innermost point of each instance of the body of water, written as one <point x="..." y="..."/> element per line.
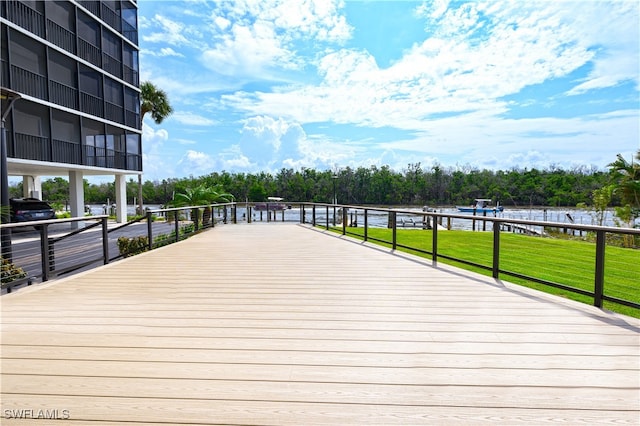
<point x="379" y="219"/>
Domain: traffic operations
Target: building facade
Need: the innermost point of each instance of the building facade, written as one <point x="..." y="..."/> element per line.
<point x="75" y="66"/>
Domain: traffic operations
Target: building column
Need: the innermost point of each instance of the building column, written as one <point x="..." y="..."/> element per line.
<point x="32" y="187"/>
<point x="76" y="195"/>
<point x="121" y="198"/>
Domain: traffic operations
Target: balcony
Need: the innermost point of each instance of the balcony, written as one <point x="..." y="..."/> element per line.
<point x="67" y="152"/>
<point x="91" y="104"/>
<point x="61" y="37"/>
<point x="26" y="17"/>
<point x="28" y="82"/>
<point x="30" y="147"/>
<point x="91" y="6"/>
<point x="132" y="119"/>
<point x="111" y="17"/>
<point x="64" y="95"/>
<point x="111" y="65"/>
<point x="114" y="112"/>
<point x="131" y="75"/>
<point x="89" y="52"/>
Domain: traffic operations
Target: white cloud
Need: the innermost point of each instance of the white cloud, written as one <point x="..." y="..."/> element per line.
<point x="256" y="38"/>
<point x="153" y="142"/>
<point x="196" y="163"/>
<point x="519" y="46"/>
<point x="190" y="119"/>
<point x="169" y="32"/>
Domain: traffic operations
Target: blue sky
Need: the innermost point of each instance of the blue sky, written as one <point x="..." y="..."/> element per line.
<point x="262" y="85"/>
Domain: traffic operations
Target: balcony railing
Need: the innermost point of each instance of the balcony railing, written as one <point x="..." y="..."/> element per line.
<point x="64" y="95"/>
<point x="130" y="32"/>
<point x="130" y="75"/>
<point x="91" y="104"/>
<point x="28" y="82"/>
<point x="89" y="52"/>
<point x="134" y="162"/>
<point x="111" y="65"/>
<point x="114" y="112"/>
<point x="132" y="119"/>
<point x="66" y="152"/>
<point x="26" y="17"/>
<point x="92" y="6"/>
<point x="111" y="17"/>
<point x="30" y="147"/>
<point x="61" y="36"/>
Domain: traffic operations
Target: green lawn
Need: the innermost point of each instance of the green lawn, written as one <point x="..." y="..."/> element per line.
<point x="567" y="262"/>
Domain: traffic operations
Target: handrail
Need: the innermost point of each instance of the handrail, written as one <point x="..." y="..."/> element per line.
<point x="598" y="294"/>
<point x="43" y="265"/>
<point x="437" y="250"/>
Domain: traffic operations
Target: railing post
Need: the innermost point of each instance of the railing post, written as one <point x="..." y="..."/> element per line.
<point x="434" y="242"/>
<point x="327" y="218"/>
<point x="601" y="242"/>
<point x="150" y="230"/>
<point x="313" y="212"/>
<point x="366" y="224"/>
<point x="234" y="214"/>
<point x="44" y="252"/>
<point x="394" y="228"/>
<point x="105" y="240"/>
<point x="344" y="221"/>
<point x="196" y="221"/>
<point x="176" y="224"/>
<point x="496" y="250"/>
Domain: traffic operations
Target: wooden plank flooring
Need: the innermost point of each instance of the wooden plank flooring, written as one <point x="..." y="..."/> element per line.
<point x="280" y="324"/>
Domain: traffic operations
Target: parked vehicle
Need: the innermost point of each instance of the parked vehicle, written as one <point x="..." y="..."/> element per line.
<point x="28" y="209"/>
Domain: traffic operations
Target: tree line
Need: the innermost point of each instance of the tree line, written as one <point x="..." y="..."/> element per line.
<point x="415" y="185"/>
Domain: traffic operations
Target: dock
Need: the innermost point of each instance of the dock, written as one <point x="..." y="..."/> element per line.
<point x="285" y="324"/>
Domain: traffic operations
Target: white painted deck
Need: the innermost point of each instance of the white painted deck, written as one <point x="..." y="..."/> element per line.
<point x="282" y="324"/>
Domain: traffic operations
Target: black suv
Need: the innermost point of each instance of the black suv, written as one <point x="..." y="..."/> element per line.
<point x="27" y="209"/>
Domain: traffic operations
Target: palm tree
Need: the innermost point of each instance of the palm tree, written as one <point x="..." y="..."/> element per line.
<point x="626" y="176"/>
<point x="156" y="102"/>
<point x="201" y="195"/>
<point x="627" y="180"/>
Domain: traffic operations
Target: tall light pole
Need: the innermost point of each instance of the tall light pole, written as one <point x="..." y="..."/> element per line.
<point x="8" y="97"/>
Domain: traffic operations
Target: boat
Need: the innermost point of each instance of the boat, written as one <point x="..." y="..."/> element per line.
<point x="272" y="204"/>
<point x="481" y="205"/>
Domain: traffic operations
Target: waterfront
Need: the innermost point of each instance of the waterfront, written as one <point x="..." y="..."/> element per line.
<point x="564" y="215"/>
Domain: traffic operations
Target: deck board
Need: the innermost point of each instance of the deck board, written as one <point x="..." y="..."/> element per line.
<point x="282" y="324"/>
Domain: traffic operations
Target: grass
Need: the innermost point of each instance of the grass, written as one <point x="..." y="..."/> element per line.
<point x="567" y="262"/>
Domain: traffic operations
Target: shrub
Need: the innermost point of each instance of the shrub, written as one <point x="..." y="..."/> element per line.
<point x="11" y="272"/>
<point x="131" y="246"/>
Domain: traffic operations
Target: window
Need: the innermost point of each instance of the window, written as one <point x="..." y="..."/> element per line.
<point x="111" y="45"/>
<point x="90" y="81"/>
<point x="133" y="144"/>
<point x="31" y="119"/>
<point x="27" y="53"/>
<point x="61" y="13"/>
<point x="62" y="69"/>
<point x="65" y="126"/>
<point x="88" y="29"/>
<point x="113" y="92"/>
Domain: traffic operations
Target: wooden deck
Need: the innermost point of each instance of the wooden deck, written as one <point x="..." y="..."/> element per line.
<point x="282" y="324"/>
